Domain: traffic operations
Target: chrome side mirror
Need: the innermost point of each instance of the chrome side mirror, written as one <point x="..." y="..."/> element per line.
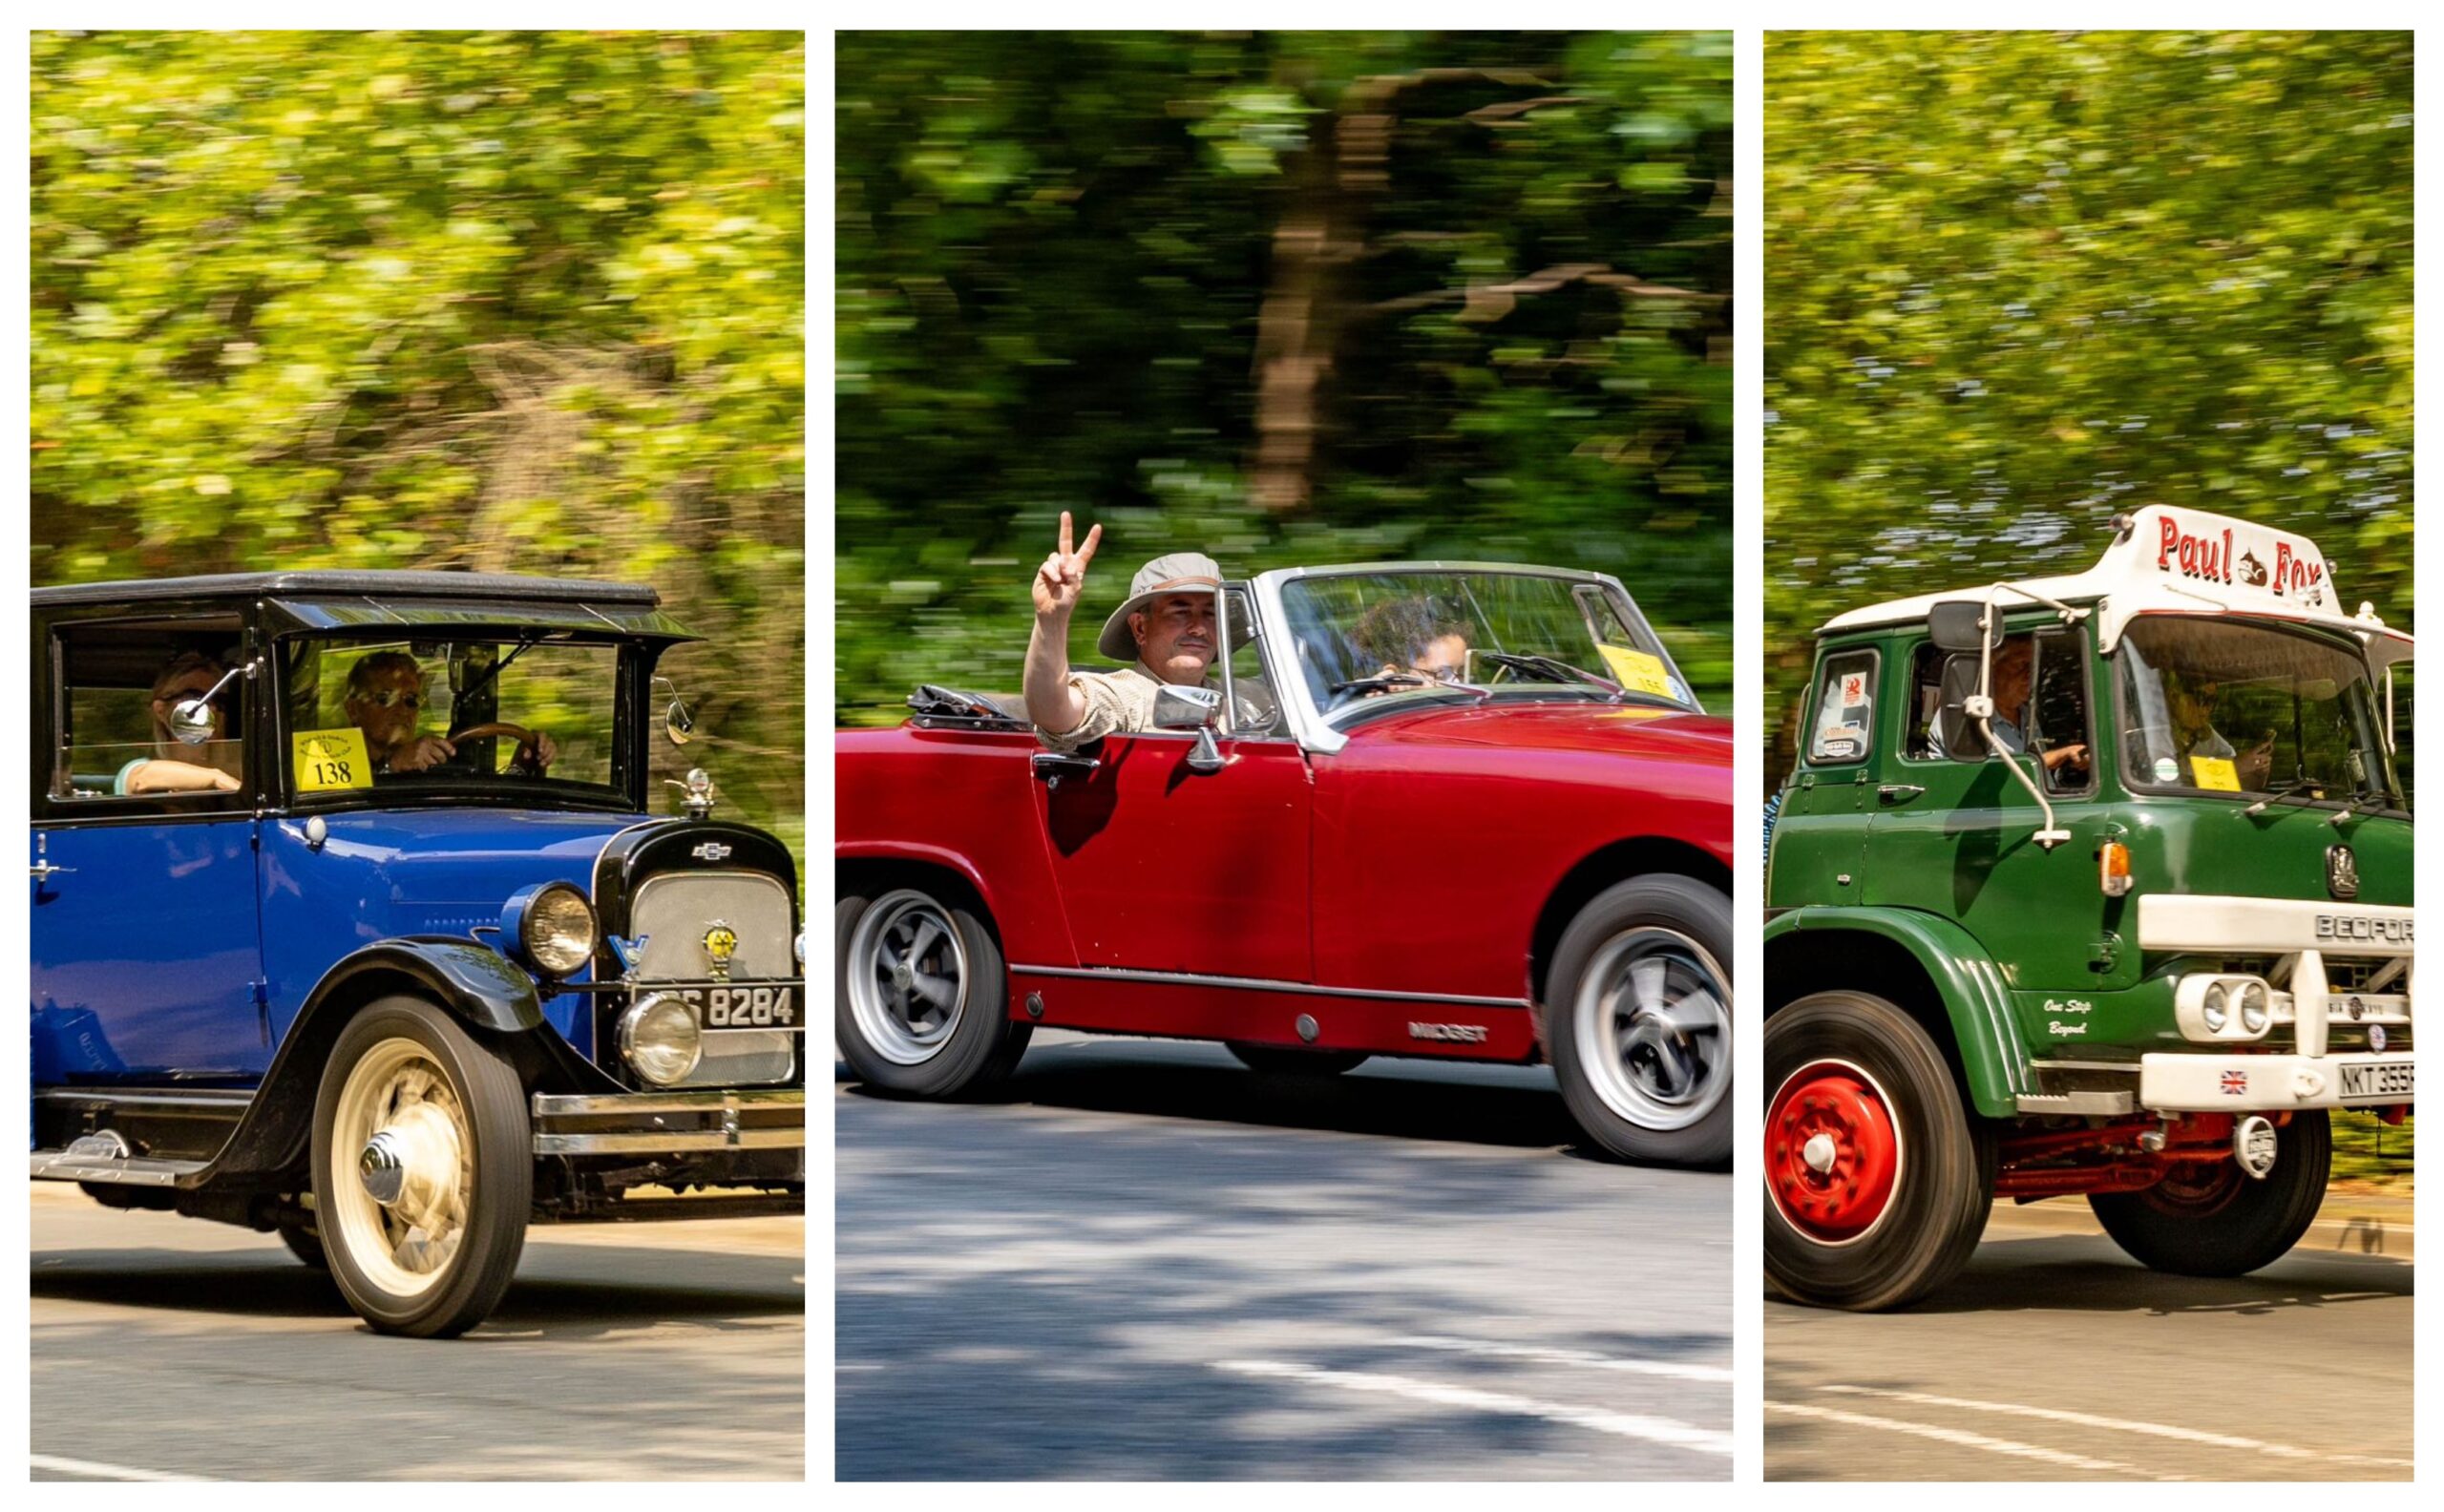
<point x="1180" y="706"/>
<point x="677" y="724"/>
<point x="191" y="719"/>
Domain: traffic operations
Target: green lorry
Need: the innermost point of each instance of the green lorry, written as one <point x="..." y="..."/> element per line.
<point x="2096" y="884"/>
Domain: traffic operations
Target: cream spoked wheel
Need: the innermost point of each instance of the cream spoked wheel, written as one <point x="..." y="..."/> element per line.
<point x="423" y="1167"/>
<point x="404" y="1215"/>
<point x="908" y="975"/>
<point x="1653" y="1026"/>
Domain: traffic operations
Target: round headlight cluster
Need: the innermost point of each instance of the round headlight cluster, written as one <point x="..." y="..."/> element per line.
<point x="558" y="929"/>
<point x="660" y="1038"/>
<point x="2216" y="1007"/>
<point x="2253" y="1007"/>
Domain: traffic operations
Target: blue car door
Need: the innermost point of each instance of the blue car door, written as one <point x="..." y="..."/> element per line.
<point x="147" y="951"/>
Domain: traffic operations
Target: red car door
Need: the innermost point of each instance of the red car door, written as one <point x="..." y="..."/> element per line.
<point x="1160" y="868"/>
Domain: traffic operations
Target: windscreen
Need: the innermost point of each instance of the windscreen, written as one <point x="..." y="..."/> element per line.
<point x="2239" y="706"/>
<point x="1361" y="637"/>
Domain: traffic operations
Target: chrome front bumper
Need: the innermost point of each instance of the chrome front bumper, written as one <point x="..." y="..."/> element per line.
<point x="669" y="1123"/>
<point x="2248" y="1083"/>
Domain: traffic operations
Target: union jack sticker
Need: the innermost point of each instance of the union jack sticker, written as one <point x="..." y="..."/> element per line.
<point x="2236" y="1083"/>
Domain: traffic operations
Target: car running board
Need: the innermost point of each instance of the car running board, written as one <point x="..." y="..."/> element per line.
<point x="105" y="1157"/>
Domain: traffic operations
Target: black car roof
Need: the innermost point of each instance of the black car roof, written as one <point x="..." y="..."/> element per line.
<point x="455" y="586"/>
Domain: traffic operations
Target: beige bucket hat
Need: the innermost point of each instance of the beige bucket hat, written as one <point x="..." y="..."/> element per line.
<point x="1179" y="572"/>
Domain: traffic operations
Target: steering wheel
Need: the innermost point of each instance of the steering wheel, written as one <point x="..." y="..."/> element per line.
<point x="526" y="761"/>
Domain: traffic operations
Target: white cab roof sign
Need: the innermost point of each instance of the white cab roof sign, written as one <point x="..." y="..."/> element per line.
<point x="2174" y="560"/>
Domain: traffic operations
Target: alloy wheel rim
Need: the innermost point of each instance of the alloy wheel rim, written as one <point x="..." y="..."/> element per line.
<point x="907" y="970"/>
<point x="398" y="1092"/>
<point x="1834" y="1152"/>
<point x="1654" y="1028"/>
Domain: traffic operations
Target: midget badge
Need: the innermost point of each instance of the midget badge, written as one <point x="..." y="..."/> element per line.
<point x="721" y="943"/>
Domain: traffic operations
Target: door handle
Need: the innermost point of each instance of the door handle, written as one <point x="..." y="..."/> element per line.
<point x="44" y="870"/>
<point x="1050" y="767"/>
<point x="1892" y="794"/>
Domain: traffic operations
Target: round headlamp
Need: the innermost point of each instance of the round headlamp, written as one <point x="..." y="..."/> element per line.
<point x="2253" y="1007"/>
<point x="660" y="1038"/>
<point x="2216" y="1008"/>
<point x="553" y="927"/>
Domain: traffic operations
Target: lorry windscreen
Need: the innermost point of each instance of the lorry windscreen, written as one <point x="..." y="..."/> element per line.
<point x="2247" y="707"/>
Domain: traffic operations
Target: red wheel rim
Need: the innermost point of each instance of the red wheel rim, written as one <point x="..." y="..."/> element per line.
<point x="1832" y="1151"/>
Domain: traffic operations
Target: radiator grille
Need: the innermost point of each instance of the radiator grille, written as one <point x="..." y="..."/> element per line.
<point x="672" y="912"/>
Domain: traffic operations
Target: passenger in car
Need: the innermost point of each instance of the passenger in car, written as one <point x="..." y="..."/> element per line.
<point x="1417" y="641"/>
<point x="190" y="674"/>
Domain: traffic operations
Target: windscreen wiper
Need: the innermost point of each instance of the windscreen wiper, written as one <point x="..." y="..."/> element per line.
<point x="1392" y="680"/>
<point x="2291" y="789"/>
<point x="1552" y="667"/>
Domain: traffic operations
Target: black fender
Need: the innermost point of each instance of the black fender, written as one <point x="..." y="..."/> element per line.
<point x="494" y="996"/>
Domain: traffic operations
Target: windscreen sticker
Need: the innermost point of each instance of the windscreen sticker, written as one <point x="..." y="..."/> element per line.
<point x="1853" y="691"/>
<point x="331" y="760"/>
<point x="2214" y="771"/>
<point x="1638" y="672"/>
<point x="2167" y="770"/>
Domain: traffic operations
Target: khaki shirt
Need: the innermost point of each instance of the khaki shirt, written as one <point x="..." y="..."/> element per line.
<point x="1123" y="702"/>
<point x="1117" y="703"/>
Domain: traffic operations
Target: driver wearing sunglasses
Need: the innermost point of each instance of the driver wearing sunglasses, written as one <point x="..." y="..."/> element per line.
<point x="386" y="695"/>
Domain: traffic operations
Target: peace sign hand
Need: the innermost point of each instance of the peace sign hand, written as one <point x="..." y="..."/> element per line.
<point x="1061" y="580"/>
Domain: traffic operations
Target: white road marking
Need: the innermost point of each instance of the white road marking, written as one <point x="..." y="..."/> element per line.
<point x="2117" y="1424"/>
<point x="1626" y="1425"/>
<point x="1546" y="1355"/>
<point x="105" y="1472"/>
<point x="1965" y="1438"/>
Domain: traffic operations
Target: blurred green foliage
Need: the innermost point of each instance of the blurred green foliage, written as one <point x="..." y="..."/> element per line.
<point x="519" y="301"/>
<point x="1069" y="262"/>
<point x="2021" y="282"/>
<point x="2368" y="1149"/>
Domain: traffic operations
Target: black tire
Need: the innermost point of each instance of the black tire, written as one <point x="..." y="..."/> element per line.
<point x="886" y="1030"/>
<point x="2220" y="1221"/>
<point x="305" y="1245"/>
<point x="1283" y="1060"/>
<point x="1665" y="1099"/>
<point x="1869" y="1256"/>
<point x="494" y="1170"/>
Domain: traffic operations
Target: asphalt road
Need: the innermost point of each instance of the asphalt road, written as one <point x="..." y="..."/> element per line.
<point x="2056" y="1357"/>
<point x="168" y="1346"/>
<point x="1141" y="1261"/>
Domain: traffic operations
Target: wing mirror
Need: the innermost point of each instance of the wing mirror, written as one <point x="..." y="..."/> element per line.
<point x="1178" y="707"/>
<point x="677" y="724"/>
<point x="191" y="719"/>
<point x="1964" y="624"/>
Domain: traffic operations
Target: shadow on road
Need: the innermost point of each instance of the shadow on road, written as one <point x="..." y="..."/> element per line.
<point x="1514" y="1108"/>
<point x="2067" y="1275"/>
<point x="723" y="1291"/>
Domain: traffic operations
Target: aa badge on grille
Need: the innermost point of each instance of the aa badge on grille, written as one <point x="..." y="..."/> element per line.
<point x="721" y="943"/>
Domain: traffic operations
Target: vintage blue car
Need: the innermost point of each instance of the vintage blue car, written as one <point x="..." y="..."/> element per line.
<point x="351" y="922"/>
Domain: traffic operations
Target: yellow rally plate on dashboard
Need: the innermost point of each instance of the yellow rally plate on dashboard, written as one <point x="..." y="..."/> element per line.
<point x="2213" y="771"/>
<point x="1637" y="671"/>
<point x="328" y="761"/>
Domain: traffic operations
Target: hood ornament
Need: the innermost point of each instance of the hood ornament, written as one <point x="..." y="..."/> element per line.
<point x="2342" y="871"/>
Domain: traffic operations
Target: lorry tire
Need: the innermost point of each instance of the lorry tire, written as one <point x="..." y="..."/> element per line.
<point x="1283" y="1060"/>
<point x="1638" y="1023"/>
<point x="1877" y="1175"/>
<point x="424" y="1170"/>
<point x="923" y="999"/>
<point x="2218" y="1221"/>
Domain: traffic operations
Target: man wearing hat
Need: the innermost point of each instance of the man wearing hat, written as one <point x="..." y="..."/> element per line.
<point x="1166" y="628"/>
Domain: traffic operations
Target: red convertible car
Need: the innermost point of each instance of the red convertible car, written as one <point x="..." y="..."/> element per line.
<point x="1458" y="812"/>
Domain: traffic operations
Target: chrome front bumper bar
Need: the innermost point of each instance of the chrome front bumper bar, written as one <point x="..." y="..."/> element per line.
<point x="2252" y="1083"/>
<point x="669" y="1123"/>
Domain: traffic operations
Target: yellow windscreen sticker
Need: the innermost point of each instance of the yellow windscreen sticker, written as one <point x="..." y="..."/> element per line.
<point x="2214" y="771"/>
<point x="1637" y="671"/>
<point x="328" y="761"/>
